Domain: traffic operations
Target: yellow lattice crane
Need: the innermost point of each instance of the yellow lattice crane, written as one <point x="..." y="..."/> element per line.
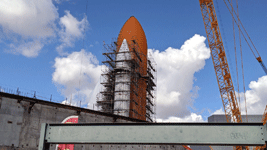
<point x="220" y="63"/>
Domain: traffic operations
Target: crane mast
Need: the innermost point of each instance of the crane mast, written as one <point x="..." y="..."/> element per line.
<point x="220" y="63"/>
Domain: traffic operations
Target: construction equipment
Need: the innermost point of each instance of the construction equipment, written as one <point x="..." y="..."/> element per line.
<point x="220" y="63"/>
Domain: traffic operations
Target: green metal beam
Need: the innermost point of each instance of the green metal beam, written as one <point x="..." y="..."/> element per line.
<point x="155" y="133"/>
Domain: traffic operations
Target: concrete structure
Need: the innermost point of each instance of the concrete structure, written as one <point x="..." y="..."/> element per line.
<point x="217" y="118"/>
<point x="222" y="119"/>
<point x="21" y="119"/>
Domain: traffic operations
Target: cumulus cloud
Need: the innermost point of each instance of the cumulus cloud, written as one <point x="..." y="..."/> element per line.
<point x="77" y="75"/>
<point x="30" y="49"/>
<point x="219" y="112"/>
<point x="26" y="22"/>
<point x="256" y="98"/>
<point x="28" y="18"/>
<point x="60" y="1"/>
<point x="30" y="24"/>
<point x="72" y="29"/>
<point x="175" y="75"/>
<point x="193" y="117"/>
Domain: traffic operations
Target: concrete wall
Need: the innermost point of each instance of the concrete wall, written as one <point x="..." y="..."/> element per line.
<point x="217" y="119"/>
<point x="21" y="119"/>
<point x="252" y="118"/>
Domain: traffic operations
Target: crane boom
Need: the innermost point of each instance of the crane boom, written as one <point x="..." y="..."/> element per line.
<point x="262" y="64"/>
<point x="220" y="63"/>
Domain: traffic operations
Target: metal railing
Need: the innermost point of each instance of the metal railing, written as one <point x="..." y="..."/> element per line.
<point x="33" y="94"/>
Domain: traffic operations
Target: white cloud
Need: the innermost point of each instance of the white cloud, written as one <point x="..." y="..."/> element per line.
<point x="219" y="112"/>
<point x="30" y="24"/>
<point x="27" y="23"/>
<point x="79" y="72"/>
<point x="59" y="1"/>
<point x="256" y="97"/>
<point x="72" y="29"/>
<point x="175" y="75"/>
<point x="29" y="18"/>
<point x="30" y="49"/>
<point x="193" y="117"/>
<point x="71" y="103"/>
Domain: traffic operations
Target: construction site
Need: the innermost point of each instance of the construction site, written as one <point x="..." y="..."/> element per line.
<point x="126" y="102"/>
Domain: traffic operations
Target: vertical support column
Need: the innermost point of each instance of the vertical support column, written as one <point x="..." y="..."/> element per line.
<point x="42" y="142"/>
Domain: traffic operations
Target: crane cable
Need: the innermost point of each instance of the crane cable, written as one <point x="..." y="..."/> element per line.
<point x="258" y="58"/>
<point x="82" y="53"/>
<point x="242" y="65"/>
<point x="232" y="10"/>
<point x="241" y="53"/>
<point x="233" y="22"/>
<point x="239" y="22"/>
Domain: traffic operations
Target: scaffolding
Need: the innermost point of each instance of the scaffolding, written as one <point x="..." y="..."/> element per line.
<point x="151" y="90"/>
<point x="128" y="82"/>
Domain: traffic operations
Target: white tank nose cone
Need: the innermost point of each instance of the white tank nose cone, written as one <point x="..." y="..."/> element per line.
<point x="124" y="54"/>
<point x="124" y="46"/>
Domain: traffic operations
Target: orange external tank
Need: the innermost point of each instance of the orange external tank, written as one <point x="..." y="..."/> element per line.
<point x="132" y="30"/>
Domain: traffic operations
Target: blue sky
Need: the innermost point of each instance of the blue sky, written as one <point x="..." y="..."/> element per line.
<point x="48" y="69"/>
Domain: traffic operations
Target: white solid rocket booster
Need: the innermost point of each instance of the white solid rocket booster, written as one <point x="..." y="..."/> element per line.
<point x="122" y="81"/>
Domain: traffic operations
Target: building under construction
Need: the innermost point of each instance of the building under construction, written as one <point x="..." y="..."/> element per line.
<point x="128" y="75"/>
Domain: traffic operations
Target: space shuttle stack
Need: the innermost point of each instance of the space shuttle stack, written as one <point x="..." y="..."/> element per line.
<point x="122" y="81"/>
<point x="128" y="77"/>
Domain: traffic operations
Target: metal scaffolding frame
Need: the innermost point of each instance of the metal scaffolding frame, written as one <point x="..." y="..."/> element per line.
<point x="151" y="90"/>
